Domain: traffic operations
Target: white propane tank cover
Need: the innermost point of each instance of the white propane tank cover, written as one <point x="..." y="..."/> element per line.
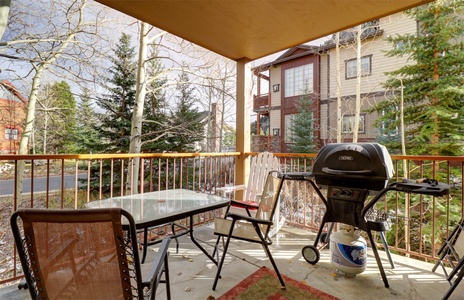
<point x="348" y="252"/>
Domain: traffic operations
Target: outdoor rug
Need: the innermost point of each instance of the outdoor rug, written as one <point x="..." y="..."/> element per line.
<point x="264" y="285"/>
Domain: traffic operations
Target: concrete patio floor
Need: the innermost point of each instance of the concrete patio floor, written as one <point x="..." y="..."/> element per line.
<point x="192" y="273"/>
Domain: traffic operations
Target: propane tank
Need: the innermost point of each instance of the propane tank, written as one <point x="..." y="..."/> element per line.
<point x="348" y="251"/>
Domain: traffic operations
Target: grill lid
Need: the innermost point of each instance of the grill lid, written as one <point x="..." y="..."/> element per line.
<point x="354" y="165"/>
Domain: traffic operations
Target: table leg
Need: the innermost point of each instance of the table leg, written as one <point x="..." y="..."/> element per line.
<point x="198" y="245"/>
<point x="145" y="244"/>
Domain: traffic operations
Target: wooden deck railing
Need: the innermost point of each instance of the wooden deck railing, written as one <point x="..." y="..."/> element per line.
<point x="419" y="223"/>
<point x="69" y="181"/>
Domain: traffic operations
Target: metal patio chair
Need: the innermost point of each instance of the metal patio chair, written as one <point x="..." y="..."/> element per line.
<point x="85" y="254"/>
<point x="252" y="229"/>
<point x="452" y="255"/>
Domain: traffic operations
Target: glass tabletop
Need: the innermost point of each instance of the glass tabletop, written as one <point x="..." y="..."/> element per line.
<point x="156" y="208"/>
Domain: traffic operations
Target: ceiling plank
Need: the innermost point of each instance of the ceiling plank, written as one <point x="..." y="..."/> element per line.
<point x="253" y="29"/>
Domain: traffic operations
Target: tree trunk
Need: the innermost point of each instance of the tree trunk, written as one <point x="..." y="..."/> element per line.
<point x="28" y="127"/>
<point x="358" y="86"/>
<point x="137" y="116"/>
<point x="339" y="91"/>
<point x="4" y="11"/>
<point x="30" y="113"/>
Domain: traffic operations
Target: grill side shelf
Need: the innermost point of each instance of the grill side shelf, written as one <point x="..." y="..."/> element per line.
<point x="439" y="189"/>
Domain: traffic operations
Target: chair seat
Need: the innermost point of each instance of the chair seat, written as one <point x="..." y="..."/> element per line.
<point x="242" y="230"/>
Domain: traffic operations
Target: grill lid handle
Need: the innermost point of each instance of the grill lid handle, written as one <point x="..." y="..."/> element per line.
<point x="346" y="172"/>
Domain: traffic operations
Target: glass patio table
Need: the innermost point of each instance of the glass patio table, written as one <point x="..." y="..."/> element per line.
<point x="163" y="207"/>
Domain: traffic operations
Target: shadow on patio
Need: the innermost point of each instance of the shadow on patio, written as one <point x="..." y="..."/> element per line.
<point x="192" y="273"/>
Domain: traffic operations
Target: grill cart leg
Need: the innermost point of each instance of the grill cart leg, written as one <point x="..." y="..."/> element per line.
<point x="377" y="257"/>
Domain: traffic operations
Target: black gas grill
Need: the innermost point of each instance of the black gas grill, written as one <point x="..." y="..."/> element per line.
<point x="349" y="172"/>
<point x="363" y="166"/>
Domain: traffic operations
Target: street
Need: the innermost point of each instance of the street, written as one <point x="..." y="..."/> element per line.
<point x="40" y="184"/>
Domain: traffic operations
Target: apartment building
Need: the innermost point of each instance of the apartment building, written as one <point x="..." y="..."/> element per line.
<point x="12" y="115"/>
<point x="315" y="68"/>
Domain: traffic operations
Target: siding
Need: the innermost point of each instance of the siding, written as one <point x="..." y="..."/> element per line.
<point x="371" y="86"/>
<point x="392" y="25"/>
<point x="324" y="73"/>
<point x="275" y="77"/>
<point x="324" y="122"/>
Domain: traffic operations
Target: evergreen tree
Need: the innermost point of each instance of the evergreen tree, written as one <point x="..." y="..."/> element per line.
<point x="156" y="113"/>
<point x="115" y="123"/>
<point x="303" y="126"/>
<point x="186" y="120"/>
<point x="86" y="135"/>
<point x="67" y="123"/>
<point x="55" y="123"/>
<point x="432" y="82"/>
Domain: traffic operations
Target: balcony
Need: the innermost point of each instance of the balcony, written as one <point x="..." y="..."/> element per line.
<point x="192" y="274"/>
<point x="416" y="222"/>
<point x="261" y="103"/>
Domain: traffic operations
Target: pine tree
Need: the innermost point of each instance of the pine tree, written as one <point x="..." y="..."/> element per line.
<point x="187" y="124"/>
<point x="156" y="114"/>
<point x="432" y="82"/>
<point x="67" y="122"/>
<point x="55" y="122"/>
<point x="115" y="123"/>
<point x="303" y="126"/>
<point x="86" y="135"/>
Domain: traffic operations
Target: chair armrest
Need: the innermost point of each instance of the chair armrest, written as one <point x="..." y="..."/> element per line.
<point x="238" y="217"/>
<point x="230" y="189"/>
<point x="244" y="204"/>
<point x="157" y="265"/>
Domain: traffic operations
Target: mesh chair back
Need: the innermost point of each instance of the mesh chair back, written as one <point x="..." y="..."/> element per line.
<point x="77" y="254"/>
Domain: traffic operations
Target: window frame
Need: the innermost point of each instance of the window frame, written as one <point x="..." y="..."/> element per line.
<point x="348" y="118"/>
<point x="293" y="80"/>
<point x="11" y="134"/>
<point x="289" y="134"/>
<point x="383" y="126"/>
<point x="364" y="72"/>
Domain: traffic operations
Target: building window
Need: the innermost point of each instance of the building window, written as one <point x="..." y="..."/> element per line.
<point x="348" y="124"/>
<point x="289" y="134"/>
<point x="387" y="126"/>
<point x="350" y="67"/>
<point x="299" y="80"/>
<point x="11" y="134"/>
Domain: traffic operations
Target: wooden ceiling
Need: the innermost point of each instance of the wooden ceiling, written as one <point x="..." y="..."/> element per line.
<point x="241" y="29"/>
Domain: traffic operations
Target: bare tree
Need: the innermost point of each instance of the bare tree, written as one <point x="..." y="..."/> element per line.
<point x="4" y="10"/>
<point x="219" y="90"/>
<point x="53" y="38"/>
<point x="356" y="40"/>
<point x="205" y="70"/>
<point x="339" y="91"/>
<point x="358" y="84"/>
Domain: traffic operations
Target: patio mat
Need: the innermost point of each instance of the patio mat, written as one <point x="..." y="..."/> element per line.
<point x="264" y="285"/>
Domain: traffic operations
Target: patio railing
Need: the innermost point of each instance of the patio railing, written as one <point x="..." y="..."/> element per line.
<point x="69" y="181"/>
<point x="419" y="223"/>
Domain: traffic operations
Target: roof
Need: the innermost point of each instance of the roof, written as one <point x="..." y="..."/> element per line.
<point x="239" y="29"/>
<point x="290" y="54"/>
<point x="7" y="85"/>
